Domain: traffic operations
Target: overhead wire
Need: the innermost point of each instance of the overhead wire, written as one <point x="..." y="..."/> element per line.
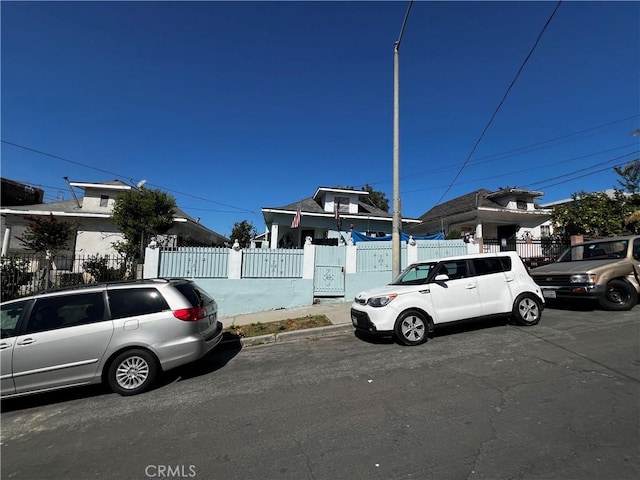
<point x="121" y="176"/>
<point x="504" y="98"/>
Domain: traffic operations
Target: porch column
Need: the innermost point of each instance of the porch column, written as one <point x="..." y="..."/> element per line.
<point x="6" y="240"/>
<point x="273" y="241"/>
<point x="479" y="241"/>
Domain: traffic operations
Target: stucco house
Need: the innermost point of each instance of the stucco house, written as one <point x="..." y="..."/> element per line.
<point x="327" y="217"/>
<point x="505" y="214"/>
<point x="96" y="231"/>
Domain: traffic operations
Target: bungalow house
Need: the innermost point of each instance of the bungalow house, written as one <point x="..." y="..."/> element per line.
<point x="96" y="231"/>
<point x="497" y="216"/>
<point x="327" y="218"/>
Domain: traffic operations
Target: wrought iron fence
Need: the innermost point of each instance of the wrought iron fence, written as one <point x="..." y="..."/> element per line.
<point x="534" y="252"/>
<point x="27" y="273"/>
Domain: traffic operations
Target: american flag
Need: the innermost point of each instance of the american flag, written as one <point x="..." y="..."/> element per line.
<point x="296" y="219"/>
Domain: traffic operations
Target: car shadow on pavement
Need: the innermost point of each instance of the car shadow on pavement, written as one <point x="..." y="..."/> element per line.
<point x="441" y="331"/>
<point x="214" y="360"/>
<point x="211" y="362"/>
<point x="576" y="305"/>
<point x="52" y="398"/>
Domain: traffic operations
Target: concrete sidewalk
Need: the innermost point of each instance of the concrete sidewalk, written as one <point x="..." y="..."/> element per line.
<point x="337" y="312"/>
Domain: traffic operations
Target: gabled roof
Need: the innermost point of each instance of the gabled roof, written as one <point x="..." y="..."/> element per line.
<point x="112" y="185"/>
<point x="309" y="205"/>
<point x="465" y="203"/>
<point x="478" y="199"/>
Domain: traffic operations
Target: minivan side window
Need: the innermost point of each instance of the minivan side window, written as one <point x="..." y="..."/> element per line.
<point x="131" y="302"/>
<point x="9" y="317"/>
<point x="62" y="311"/>
<point x="195" y="295"/>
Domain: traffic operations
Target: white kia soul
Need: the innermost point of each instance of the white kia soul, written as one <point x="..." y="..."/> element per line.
<point x="434" y="292"/>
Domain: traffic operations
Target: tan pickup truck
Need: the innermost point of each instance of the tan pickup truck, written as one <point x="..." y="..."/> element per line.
<point x="606" y="270"/>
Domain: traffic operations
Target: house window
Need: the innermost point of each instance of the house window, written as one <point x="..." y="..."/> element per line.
<point x="545" y="231"/>
<point x="521" y="204"/>
<point x="342" y="204"/>
<point x="104" y="200"/>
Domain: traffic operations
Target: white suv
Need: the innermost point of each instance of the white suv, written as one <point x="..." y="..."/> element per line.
<point x="435" y="292"/>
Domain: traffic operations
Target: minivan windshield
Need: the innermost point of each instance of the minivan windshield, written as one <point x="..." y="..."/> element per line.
<point x="606" y="249"/>
<point x="414" y="274"/>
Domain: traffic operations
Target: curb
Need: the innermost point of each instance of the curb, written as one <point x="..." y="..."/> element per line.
<point x="294" y="336"/>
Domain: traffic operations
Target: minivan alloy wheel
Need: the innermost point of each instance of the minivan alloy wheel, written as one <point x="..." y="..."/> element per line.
<point x="132" y="372"/>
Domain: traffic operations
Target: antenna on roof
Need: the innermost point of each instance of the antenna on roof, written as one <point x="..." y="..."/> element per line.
<point x="66" y="179"/>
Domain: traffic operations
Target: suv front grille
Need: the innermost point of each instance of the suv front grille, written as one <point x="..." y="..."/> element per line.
<point x="544" y="280"/>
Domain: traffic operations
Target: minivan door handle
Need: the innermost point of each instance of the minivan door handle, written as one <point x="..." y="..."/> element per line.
<point x="26" y="341"/>
<point x="469" y="286"/>
<point x="4" y="345"/>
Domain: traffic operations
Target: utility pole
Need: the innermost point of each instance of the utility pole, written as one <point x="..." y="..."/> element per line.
<point x="397" y="214"/>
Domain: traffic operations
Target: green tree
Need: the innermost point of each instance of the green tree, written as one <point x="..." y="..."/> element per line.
<point x="630" y="174"/>
<point x="243" y="231"/>
<point x="47" y="234"/>
<point x="375" y="198"/>
<point x="140" y="214"/>
<point x="596" y="214"/>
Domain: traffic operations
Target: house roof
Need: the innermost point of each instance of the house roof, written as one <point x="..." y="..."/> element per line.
<point x="478" y="199"/>
<point x="310" y="205"/>
<point x="470" y="201"/>
<point x="321" y="191"/>
<point x="69" y="208"/>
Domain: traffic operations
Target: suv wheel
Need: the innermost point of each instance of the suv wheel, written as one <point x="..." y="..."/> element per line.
<point x="411" y="328"/>
<point x="132" y="372"/>
<point x="526" y="310"/>
<point x="619" y="295"/>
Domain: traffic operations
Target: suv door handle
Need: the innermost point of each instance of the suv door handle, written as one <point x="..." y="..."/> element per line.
<point x="26" y="341"/>
<point x="4" y="345"/>
<point x="469" y="286"/>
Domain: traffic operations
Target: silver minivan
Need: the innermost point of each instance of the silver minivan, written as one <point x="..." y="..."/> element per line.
<point x="122" y="333"/>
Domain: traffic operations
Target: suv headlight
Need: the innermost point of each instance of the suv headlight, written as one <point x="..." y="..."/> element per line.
<point x="381" y="301"/>
<point x="583" y="278"/>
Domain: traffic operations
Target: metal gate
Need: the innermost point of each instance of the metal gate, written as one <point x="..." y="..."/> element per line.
<point x="328" y="278"/>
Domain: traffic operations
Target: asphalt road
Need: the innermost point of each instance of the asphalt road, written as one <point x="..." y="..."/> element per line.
<point x="560" y="400"/>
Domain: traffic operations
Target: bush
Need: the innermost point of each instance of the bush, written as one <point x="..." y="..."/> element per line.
<point x="14" y="273"/>
<point x="98" y="267"/>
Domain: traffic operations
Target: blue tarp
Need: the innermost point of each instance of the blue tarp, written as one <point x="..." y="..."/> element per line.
<point x="361" y="237"/>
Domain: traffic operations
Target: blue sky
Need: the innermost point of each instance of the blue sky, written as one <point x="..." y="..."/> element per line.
<point x="235" y="106"/>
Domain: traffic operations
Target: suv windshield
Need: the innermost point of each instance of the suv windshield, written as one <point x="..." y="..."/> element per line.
<point x="414" y="274"/>
<point x="596" y="251"/>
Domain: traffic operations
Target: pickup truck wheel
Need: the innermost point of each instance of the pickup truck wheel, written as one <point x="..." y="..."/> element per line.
<point x="619" y="295"/>
<point x="527" y="310"/>
<point x="412" y="328"/>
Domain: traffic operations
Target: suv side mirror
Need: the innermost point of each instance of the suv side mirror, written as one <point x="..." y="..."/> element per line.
<point x="443" y="277"/>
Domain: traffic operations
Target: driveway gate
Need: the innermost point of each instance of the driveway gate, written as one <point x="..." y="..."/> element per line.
<point x="328" y="278"/>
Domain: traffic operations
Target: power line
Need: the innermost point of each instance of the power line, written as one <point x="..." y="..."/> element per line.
<point x="536" y="167"/>
<point x="118" y="175"/>
<point x="495" y="113"/>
